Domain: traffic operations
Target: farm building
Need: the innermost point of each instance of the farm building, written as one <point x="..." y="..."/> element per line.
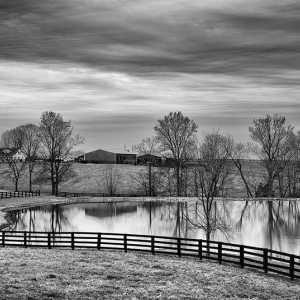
<point x="126" y="158"/>
<point x="98" y="156"/>
<point x="105" y="157"/>
<point x="144" y="159"/>
<point x="7" y="154"/>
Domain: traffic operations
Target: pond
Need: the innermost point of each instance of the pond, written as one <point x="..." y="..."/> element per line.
<point x="268" y="224"/>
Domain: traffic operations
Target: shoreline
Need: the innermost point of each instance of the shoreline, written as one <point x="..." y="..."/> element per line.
<point x="14" y="203"/>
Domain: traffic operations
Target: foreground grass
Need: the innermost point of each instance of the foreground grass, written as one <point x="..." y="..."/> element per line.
<point x="66" y="274"/>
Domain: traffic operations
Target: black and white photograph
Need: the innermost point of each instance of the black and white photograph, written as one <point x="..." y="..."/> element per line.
<point x="149" y="149"/>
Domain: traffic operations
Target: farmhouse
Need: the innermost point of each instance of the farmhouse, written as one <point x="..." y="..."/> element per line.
<point x="11" y="154"/>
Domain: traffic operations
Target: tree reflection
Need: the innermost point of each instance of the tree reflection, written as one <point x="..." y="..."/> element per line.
<point x="210" y="217"/>
<point x="279" y="219"/>
<point x="58" y="220"/>
<point x="28" y="220"/>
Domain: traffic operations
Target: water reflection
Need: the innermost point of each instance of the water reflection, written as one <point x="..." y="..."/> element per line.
<point x="269" y="224"/>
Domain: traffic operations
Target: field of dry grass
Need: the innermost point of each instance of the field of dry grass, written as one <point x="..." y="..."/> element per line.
<point x="67" y="274"/>
<point x="90" y="178"/>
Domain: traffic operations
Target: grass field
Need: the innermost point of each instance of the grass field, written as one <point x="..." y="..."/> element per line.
<point x="66" y="274"/>
<point x="90" y="178"/>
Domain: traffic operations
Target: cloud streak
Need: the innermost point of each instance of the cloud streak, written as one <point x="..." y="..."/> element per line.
<point x="130" y="60"/>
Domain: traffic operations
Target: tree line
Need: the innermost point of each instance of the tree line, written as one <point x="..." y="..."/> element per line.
<point x="48" y="145"/>
<point x="274" y="144"/>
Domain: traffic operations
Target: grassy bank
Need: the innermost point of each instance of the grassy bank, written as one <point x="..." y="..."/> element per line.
<point x="66" y="274"/>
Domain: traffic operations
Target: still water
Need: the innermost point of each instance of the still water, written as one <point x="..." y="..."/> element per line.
<point x="269" y="224"/>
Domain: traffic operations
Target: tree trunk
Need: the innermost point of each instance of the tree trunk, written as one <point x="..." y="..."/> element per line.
<point x="16" y="184"/>
<point x="56" y="181"/>
<point x="150" y="178"/>
<point x="270" y="185"/>
<point x="239" y="167"/>
<point x="52" y="178"/>
<point x="178" y="179"/>
<point x="30" y="178"/>
<point x="196" y="188"/>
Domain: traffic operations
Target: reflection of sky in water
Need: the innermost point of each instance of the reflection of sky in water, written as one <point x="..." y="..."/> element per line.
<point x="269" y="224"/>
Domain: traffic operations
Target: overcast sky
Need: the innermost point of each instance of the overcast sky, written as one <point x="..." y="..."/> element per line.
<point x="114" y="67"/>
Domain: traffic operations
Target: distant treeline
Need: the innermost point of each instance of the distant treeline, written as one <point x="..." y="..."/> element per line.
<point x="202" y="162"/>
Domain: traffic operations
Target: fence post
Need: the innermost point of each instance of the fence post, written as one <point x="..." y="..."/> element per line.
<point x="3" y="238"/>
<point x="25" y="239"/>
<point x="242" y="261"/>
<point x="72" y="240"/>
<point x="220" y="252"/>
<point x="200" y="249"/>
<point x="208" y="248"/>
<point x="125" y="242"/>
<point x="292" y="267"/>
<point x="152" y="245"/>
<point x="179" y="246"/>
<point x="265" y="260"/>
<point x="49" y="240"/>
<point x="99" y="241"/>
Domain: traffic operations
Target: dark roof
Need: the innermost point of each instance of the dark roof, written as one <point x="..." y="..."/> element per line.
<point x="6" y="150"/>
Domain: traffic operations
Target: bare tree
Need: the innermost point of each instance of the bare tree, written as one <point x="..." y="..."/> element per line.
<point x="30" y="147"/>
<point x="271" y="134"/>
<point x="57" y="140"/>
<point x="13" y="140"/>
<point x="213" y="163"/>
<point x="237" y="154"/>
<point x="213" y="156"/>
<point x="293" y="169"/>
<point x="288" y="171"/>
<point x="149" y="145"/>
<point x="176" y="133"/>
<point x="112" y="177"/>
<point x="16" y="167"/>
<point x="150" y="187"/>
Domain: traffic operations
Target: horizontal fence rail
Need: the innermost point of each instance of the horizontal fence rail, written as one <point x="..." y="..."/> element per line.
<point x="263" y="259"/>
<point x="19" y="194"/>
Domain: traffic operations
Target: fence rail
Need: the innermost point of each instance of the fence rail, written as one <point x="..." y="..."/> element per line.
<point x="244" y="256"/>
<point x="19" y="194"/>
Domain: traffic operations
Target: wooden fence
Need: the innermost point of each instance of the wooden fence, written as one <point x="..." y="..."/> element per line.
<point x="266" y="260"/>
<point x="19" y="194"/>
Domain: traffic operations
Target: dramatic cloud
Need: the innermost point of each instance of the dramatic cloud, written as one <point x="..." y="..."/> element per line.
<point x="115" y="66"/>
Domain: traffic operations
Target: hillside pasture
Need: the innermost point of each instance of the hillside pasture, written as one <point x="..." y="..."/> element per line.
<point x="128" y="179"/>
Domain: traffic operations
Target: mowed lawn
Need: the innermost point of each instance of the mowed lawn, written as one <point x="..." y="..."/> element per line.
<point x="90" y="274"/>
<point x="90" y="178"/>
